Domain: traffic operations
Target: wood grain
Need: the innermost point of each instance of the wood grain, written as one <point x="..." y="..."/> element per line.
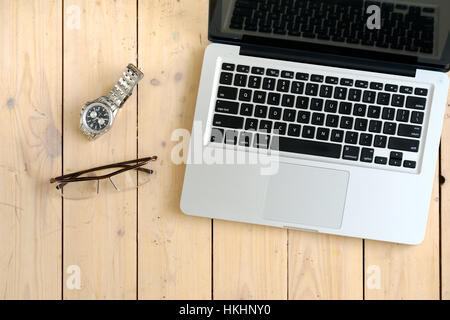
<point x="30" y="144"/>
<point x="445" y="205"/>
<point x="99" y="233"/>
<point x="324" y="266"/>
<point x="174" y="250"/>
<point x="407" y="272"/>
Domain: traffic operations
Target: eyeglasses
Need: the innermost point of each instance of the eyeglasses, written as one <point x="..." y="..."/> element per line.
<point x="123" y="176"/>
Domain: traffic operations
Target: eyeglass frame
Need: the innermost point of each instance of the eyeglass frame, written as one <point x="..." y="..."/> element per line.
<point x="72" y="177"/>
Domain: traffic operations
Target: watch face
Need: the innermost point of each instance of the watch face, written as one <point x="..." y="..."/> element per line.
<point x="97" y="117"/>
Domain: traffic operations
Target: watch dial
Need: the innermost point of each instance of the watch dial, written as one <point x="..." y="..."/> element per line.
<point x="97" y="117"/>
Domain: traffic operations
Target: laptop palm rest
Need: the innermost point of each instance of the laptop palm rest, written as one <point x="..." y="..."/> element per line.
<point x="308" y="196"/>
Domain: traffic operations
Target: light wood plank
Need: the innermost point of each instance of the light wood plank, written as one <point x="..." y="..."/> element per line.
<point x="30" y="144"/>
<point x="174" y="250"/>
<point x="324" y="266"/>
<point x="99" y="233"/>
<point x="250" y="262"/>
<point x="445" y="205"/>
<point x="407" y="272"/>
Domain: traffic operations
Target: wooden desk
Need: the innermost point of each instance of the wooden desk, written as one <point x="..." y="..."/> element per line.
<point x="138" y="244"/>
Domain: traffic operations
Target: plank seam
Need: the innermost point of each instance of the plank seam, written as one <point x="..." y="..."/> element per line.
<point x="440" y="223"/>
<point x="137" y="152"/>
<point x="62" y="148"/>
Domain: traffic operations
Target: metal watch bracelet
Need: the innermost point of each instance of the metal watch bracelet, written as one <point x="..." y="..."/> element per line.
<point x="124" y="88"/>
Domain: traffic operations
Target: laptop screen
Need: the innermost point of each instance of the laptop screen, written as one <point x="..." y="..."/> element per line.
<point x="415" y="32"/>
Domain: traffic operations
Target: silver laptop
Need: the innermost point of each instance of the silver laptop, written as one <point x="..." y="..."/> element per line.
<point x="320" y="115"/>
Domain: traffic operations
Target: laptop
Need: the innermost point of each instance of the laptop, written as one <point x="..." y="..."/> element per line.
<point x="320" y="115"/>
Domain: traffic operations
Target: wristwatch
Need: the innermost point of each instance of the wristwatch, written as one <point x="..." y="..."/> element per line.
<point x="97" y="116"/>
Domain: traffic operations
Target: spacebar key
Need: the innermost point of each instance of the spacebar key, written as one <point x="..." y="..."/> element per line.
<point x="314" y="148"/>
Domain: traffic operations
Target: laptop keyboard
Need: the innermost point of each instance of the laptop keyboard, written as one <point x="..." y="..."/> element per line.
<point x="371" y="122"/>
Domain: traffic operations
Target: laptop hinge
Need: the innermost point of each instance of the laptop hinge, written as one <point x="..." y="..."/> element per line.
<point x="327" y="60"/>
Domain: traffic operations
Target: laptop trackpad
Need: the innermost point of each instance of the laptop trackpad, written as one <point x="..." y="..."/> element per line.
<point x="307" y="195"/>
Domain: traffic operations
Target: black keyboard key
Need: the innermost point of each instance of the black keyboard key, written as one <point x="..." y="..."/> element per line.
<point x="308" y="132"/>
<point x="332" y="80"/>
<point x="332" y="121"/>
<point x="389" y="128"/>
<point x="275" y="113"/>
<point x="346" y="82"/>
<point x="226" y="78"/>
<point x="359" y="110"/>
<point x="361" y="124"/>
<point x="361" y="84"/>
<point x="354" y="95"/>
<point x="287" y="74"/>
<point x="274" y="99"/>
<point x="225" y="106"/>
<point x="346" y="123"/>
<point x="269" y="83"/>
<point x="395" y="162"/>
<point x="311" y="89"/>
<point x="261" y="141"/>
<point x="350" y="153"/>
<point x="283" y="85"/>
<point x="407" y="90"/>
<point x="302" y="102"/>
<point x="217" y="135"/>
<point x="265" y="126"/>
<point x="383" y="98"/>
<point x="273" y="72"/>
<point x="365" y="139"/>
<point x="287" y="100"/>
<point x="326" y="91"/>
<point x="232" y="122"/>
<point x="246" y="109"/>
<point x="227" y="93"/>
<point x="316" y="104"/>
<point x="398" y="100"/>
<point x="376" y="86"/>
<point x="380" y="141"/>
<point x="245" y="95"/>
<point x="279" y="128"/>
<point x="323" y="134"/>
<point x="410" y="131"/>
<point x="316" y="78"/>
<point x="421" y="92"/>
<point x="374" y="112"/>
<point x="240" y="80"/>
<point x="369" y="96"/>
<point x="318" y="118"/>
<point x="261" y="111"/>
<point x="402" y="115"/>
<point x="294" y="130"/>
<point x="289" y="115"/>
<point x="340" y="93"/>
<point x="337" y="135"/>
<point x="388" y="114"/>
<point x="254" y="82"/>
<point x="303" y="117"/>
<point x="351" y="137"/>
<point x="243" y="69"/>
<point x="331" y="106"/>
<point x="297" y="87"/>
<point x="259" y="97"/>
<point x="409" y="164"/>
<point x="345" y="108"/>
<point x="245" y="139"/>
<point x="375" y="126"/>
<point x="231" y="137"/>
<point x="403" y="144"/>
<point x="251" y="124"/>
<point x="228" y="66"/>
<point x="315" y="148"/>
<point x="416" y="103"/>
<point x="417" y="117"/>
<point x="381" y="160"/>
<point x="367" y="155"/>
<point x="391" y="87"/>
<point x="302" y="76"/>
<point x="258" y="70"/>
